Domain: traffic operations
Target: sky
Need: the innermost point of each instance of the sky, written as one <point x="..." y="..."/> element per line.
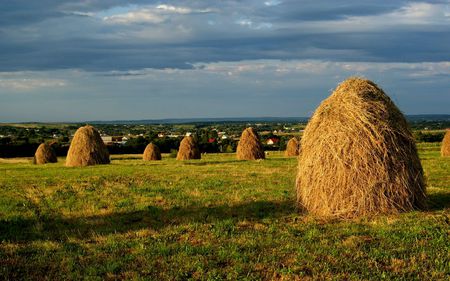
<point x="73" y="60"/>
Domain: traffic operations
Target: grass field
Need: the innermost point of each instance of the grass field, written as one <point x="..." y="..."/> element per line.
<point x="212" y="219"/>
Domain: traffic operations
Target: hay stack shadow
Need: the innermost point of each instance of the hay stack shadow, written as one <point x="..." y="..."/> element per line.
<point x="188" y="149"/>
<point x="87" y="148"/>
<point x="249" y="146"/>
<point x="151" y="153"/>
<point x="45" y="154"/>
<point x="358" y="156"/>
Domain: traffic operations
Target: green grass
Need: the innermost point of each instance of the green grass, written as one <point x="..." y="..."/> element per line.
<point x="212" y="219"/>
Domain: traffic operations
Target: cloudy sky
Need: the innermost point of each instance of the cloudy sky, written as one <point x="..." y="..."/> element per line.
<point x="73" y="60"/>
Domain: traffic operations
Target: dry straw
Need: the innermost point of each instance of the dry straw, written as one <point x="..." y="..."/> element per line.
<point x="445" y="148"/>
<point x="358" y="156"/>
<point x="188" y="149"/>
<point x="87" y="148"/>
<point x="249" y="146"/>
<point x="292" y="147"/>
<point x="151" y="153"/>
<point x="45" y="154"/>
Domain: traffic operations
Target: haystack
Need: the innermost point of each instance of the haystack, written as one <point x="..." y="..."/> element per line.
<point x="445" y="147"/>
<point x="45" y="154"/>
<point x="151" y="153"/>
<point x="87" y="148"/>
<point x="188" y="149"/>
<point x="292" y="147"/>
<point x="358" y="156"/>
<point x="249" y="146"/>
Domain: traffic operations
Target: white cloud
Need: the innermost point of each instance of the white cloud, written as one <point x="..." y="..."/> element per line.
<point x="151" y="14"/>
<point x="182" y="10"/>
<point x="28" y="84"/>
<point x="271" y="3"/>
<point x="173" y="9"/>
<point x="252" y="25"/>
<point x="136" y="16"/>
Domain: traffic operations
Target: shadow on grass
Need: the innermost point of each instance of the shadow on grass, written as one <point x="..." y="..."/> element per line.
<point x="60" y="229"/>
<point x="211" y="162"/>
<point x="438" y="201"/>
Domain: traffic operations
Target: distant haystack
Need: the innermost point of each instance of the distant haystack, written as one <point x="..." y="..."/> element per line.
<point x="358" y="156"/>
<point x="151" y="153"/>
<point x="45" y="154"/>
<point x="249" y="146"/>
<point x="188" y="149"/>
<point x="445" y="148"/>
<point x="87" y="148"/>
<point x="292" y="147"/>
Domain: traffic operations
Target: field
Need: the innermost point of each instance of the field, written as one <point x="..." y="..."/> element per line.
<point x="212" y="219"/>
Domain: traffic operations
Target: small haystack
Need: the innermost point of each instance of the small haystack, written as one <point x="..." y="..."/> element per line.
<point x="151" y="153"/>
<point x="188" y="149"/>
<point x="358" y="156"/>
<point x="249" y="146"/>
<point x="45" y="154"/>
<point x="292" y="147"/>
<point x="87" y="148"/>
<point x="445" y="148"/>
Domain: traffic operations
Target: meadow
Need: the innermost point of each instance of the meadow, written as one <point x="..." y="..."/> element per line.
<point x="210" y="219"/>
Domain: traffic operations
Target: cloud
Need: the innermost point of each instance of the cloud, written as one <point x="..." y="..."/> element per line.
<point x="27" y="84"/>
<point x="182" y="10"/>
<point x="105" y="35"/>
<point x="272" y="3"/>
<point x="138" y="16"/>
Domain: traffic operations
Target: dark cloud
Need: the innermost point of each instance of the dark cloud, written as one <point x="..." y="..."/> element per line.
<point x="52" y="34"/>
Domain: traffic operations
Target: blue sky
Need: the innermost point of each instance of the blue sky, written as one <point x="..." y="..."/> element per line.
<point x="63" y="60"/>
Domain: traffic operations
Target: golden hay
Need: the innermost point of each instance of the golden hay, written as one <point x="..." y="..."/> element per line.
<point x="151" y="152"/>
<point x="358" y="157"/>
<point x="188" y="149"/>
<point x="292" y="147"/>
<point x="445" y="148"/>
<point x="45" y="154"/>
<point x="87" y="148"/>
<point x="249" y="146"/>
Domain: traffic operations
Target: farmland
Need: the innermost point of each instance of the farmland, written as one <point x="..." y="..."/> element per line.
<point x="210" y="219"/>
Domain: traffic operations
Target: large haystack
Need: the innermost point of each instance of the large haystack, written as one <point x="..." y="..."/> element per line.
<point x="151" y="153"/>
<point x="45" y="154"/>
<point x="87" y="148"/>
<point x="358" y="157"/>
<point x="249" y="146"/>
<point x="292" y="147"/>
<point x="188" y="149"/>
<point x="445" y="148"/>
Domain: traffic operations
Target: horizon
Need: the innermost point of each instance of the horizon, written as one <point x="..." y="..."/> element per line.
<point x="434" y="117"/>
<point x="68" y="61"/>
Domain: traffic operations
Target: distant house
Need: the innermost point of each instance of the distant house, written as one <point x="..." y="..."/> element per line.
<point x="272" y="141"/>
<point x="161" y="135"/>
<point x="113" y="139"/>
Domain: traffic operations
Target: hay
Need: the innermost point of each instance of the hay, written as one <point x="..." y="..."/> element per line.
<point x="151" y="153"/>
<point x="292" y="147"/>
<point x="358" y="157"/>
<point x="445" y="147"/>
<point x="45" y="154"/>
<point x="87" y="148"/>
<point x="188" y="149"/>
<point x="249" y="146"/>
